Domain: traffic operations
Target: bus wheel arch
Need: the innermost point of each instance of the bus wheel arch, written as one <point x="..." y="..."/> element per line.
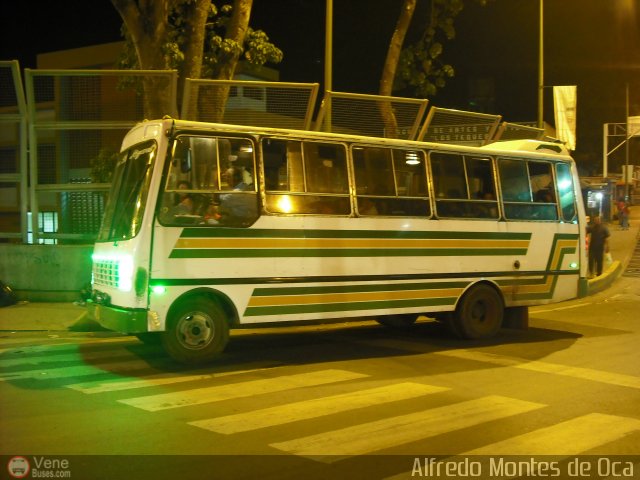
<point x="479" y="311"/>
<point x="197" y="328"/>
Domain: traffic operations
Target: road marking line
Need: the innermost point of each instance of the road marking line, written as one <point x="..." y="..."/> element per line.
<point x="329" y="447"/>
<point x="570" y="437"/>
<point x="42" y="360"/>
<point x="115" y="385"/>
<point x="319" y="407"/>
<point x="153" y="403"/>
<point x="610" y="378"/>
<point x="73" y="371"/>
<point x="568" y="307"/>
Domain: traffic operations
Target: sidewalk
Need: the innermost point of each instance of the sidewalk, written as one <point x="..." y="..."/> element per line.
<point x="27" y="316"/>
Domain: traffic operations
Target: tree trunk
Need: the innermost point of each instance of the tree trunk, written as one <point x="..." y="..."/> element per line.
<point x="236" y="31"/>
<point x="146" y="22"/>
<point x="391" y="65"/>
<point x="196" y="20"/>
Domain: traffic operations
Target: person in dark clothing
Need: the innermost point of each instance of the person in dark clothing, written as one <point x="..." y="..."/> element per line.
<point x="598" y="245"/>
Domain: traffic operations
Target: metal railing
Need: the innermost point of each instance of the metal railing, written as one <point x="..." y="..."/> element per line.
<point x="69" y="119"/>
<point x="247" y="102"/>
<point x="445" y="125"/>
<point x="371" y="115"/>
<point x="13" y="143"/>
<point x="74" y="118"/>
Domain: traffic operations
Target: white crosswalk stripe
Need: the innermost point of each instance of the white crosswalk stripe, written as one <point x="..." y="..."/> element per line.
<point x="370" y="437"/>
<point x="388" y="430"/>
<point x="319" y="407"/>
<point x="570" y="437"/>
<point x="565" y="439"/>
<point x="249" y="388"/>
<point x="591" y="374"/>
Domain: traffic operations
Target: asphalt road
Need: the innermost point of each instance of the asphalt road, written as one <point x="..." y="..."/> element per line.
<point x="336" y="401"/>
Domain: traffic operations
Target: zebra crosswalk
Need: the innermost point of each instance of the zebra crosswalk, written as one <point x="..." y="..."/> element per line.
<point x="353" y="408"/>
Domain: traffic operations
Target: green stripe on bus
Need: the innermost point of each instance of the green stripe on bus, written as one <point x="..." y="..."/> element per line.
<point x="341" y="252"/>
<point x="205" y="232"/>
<point x="347" y="307"/>
<point x="394" y="287"/>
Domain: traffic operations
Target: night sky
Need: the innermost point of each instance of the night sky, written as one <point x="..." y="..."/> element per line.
<point x="594" y="44"/>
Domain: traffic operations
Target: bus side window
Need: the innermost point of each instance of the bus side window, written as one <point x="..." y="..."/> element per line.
<point x="193" y="196"/>
<point x="464" y="186"/>
<point x="390" y="182"/>
<point x="305" y="178"/>
<point x="566" y="194"/>
<point x="528" y="190"/>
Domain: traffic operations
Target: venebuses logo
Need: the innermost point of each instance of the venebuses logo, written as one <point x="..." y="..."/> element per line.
<point x="18" y="467"/>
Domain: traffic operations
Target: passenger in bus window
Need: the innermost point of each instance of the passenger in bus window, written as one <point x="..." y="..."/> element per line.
<point x="237" y="208"/>
<point x="366" y="206"/>
<point x="184" y="202"/>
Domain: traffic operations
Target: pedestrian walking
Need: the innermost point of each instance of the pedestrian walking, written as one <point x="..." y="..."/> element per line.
<point x="624" y="217"/>
<point x="598" y="245"/>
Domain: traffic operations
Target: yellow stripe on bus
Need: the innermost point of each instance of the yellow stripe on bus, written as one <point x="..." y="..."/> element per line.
<point x="309" y="299"/>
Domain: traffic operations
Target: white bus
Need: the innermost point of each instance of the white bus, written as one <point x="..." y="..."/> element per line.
<point x="213" y="226"/>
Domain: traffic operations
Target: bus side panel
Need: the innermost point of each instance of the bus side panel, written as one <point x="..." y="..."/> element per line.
<point x="302" y="268"/>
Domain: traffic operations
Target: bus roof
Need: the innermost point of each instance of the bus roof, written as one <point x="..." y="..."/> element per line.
<point x="148" y="129"/>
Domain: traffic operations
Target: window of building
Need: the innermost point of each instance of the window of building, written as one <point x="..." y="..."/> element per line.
<point x="47" y="223"/>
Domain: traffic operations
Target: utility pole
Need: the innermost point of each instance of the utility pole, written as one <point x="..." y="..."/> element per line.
<point x="328" y="61"/>
<point x="625" y="173"/>
<point x="541" y="68"/>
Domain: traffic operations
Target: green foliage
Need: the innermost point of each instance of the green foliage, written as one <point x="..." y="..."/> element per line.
<point x="420" y="67"/>
<point x="103" y="165"/>
<point x="257" y="49"/>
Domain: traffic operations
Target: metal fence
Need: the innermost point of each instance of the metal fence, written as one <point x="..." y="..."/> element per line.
<point x="57" y="141"/>
<point x="445" y="125"/>
<point x="13" y="152"/>
<point x="261" y="104"/>
<point x="516" y="131"/>
<point x="371" y="115"/>
<point x="77" y="119"/>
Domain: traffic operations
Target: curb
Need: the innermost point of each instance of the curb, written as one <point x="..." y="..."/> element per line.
<point x="605" y="280"/>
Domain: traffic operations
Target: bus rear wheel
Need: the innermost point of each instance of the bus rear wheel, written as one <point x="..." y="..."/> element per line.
<point x="197" y="331"/>
<point x="479" y="313"/>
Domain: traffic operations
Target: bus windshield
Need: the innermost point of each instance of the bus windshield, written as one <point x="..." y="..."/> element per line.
<point x="129" y="192"/>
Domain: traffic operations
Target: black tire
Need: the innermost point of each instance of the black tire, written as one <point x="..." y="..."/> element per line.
<point x="197" y="331"/>
<point x="398" y="321"/>
<point x="479" y="313"/>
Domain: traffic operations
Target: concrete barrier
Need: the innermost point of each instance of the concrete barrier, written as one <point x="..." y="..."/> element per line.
<point x="604" y="281"/>
<point x="46" y="273"/>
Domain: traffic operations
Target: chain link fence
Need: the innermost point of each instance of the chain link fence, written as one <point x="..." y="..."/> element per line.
<point x="371" y="115"/>
<point x="13" y="154"/>
<point x="260" y="104"/>
<point x="77" y="120"/>
<point x="59" y="141"/>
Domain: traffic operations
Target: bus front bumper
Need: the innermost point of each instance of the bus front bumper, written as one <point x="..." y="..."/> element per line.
<point x="118" y="319"/>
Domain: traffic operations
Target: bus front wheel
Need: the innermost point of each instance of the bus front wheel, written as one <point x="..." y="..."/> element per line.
<point x="479" y="313"/>
<point x="197" y="331"/>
